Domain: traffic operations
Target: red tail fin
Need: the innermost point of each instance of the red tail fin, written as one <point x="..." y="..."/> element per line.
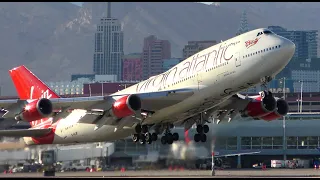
<point x="28" y="85"/>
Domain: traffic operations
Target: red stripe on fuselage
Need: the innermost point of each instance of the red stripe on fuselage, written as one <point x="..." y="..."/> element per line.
<point x="48" y="138"/>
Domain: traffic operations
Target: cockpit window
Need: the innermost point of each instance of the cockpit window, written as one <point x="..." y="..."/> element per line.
<point x="259" y="33"/>
<point x="267" y="32"/>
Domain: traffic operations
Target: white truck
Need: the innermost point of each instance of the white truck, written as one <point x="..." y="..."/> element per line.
<point x="74" y="167"/>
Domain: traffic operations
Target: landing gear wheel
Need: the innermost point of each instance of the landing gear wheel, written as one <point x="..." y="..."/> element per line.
<point x="169" y="138"/>
<point x="199" y="128"/>
<point x="135" y="138"/>
<point x="144" y="128"/>
<point x="163" y="140"/>
<point x="175" y="136"/>
<point x="148" y="137"/>
<point x="205" y="128"/>
<point x="154" y="137"/>
<point x="138" y="128"/>
<point x="142" y="139"/>
<point x="203" y="137"/>
<point x="197" y="137"/>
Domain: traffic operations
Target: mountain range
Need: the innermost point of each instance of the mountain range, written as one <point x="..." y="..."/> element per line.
<point x="56" y="39"/>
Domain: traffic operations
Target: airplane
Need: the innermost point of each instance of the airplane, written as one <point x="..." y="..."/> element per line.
<point x="204" y="85"/>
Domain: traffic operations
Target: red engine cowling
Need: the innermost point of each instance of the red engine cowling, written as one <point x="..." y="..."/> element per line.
<point x="260" y="106"/>
<point x="281" y="110"/>
<point x="125" y="106"/>
<point x="36" y="110"/>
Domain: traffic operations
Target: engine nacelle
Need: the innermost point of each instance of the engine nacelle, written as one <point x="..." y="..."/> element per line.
<point x="281" y="110"/>
<point x="125" y="106"/>
<point x="261" y="106"/>
<point x="36" y="110"/>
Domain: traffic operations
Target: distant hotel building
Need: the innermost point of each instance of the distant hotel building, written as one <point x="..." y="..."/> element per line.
<point x="194" y="47"/>
<point x="106" y="88"/>
<point x="132" y="67"/>
<point x="67" y="87"/>
<point x="169" y="63"/>
<point x="306" y="41"/>
<point x="75" y="86"/>
<point x="108" y="49"/>
<point x="306" y="48"/>
<point x="154" y="51"/>
<point x="304" y="65"/>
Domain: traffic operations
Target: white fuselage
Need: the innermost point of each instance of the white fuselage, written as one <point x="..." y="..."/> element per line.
<point x="214" y="75"/>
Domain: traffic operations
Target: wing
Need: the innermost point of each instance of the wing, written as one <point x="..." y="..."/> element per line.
<point x="152" y="101"/>
<point x="25" y="132"/>
<point x="263" y="106"/>
<point x="236" y="154"/>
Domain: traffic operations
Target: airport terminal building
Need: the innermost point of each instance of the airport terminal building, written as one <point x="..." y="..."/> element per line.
<point x="302" y="139"/>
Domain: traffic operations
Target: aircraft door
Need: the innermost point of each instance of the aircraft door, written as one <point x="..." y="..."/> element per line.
<point x="199" y="79"/>
<point x="238" y="59"/>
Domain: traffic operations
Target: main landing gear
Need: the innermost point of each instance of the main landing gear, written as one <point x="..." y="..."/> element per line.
<point x="143" y="136"/>
<point x="201" y="133"/>
<point x="168" y="137"/>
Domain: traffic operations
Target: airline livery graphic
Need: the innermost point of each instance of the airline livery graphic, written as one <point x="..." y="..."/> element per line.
<point x="250" y="43"/>
<point x="204" y="85"/>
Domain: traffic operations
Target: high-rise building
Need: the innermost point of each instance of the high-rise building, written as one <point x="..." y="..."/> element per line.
<point x="108" y="51"/>
<point x="304" y="64"/>
<point x="132" y="67"/>
<point x="243" y="24"/>
<point x="154" y="51"/>
<point x="169" y="63"/>
<point x="194" y="47"/>
<point x="305" y="41"/>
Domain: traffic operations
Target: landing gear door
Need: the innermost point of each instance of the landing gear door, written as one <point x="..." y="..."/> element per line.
<point x="238" y="59"/>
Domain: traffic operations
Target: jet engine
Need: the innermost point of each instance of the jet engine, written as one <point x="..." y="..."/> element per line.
<point x="281" y="110"/>
<point x="36" y="110"/>
<point x="261" y="106"/>
<point x="125" y="106"/>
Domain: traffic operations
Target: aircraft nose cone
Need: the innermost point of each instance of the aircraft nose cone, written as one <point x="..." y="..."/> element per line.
<point x="289" y="48"/>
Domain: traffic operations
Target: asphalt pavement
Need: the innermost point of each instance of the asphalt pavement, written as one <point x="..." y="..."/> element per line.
<point x="251" y="173"/>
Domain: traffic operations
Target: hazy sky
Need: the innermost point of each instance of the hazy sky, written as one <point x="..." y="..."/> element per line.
<point x="80" y="3"/>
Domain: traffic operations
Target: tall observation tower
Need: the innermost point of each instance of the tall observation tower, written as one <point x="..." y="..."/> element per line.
<point x="243" y="24"/>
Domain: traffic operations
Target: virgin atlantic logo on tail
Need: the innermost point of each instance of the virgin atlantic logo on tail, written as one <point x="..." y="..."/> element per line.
<point x="250" y="43"/>
<point x="44" y="94"/>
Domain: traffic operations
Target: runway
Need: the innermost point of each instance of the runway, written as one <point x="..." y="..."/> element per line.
<point x="269" y="173"/>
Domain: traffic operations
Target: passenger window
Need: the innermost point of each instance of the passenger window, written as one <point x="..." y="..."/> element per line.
<point x="279" y="46"/>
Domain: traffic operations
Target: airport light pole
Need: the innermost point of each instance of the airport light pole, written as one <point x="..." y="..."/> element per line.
<point x="298" y="100"/>
<point x="284" y="144"/>
<point x="212" y="148"/>
<point x="301" y="88"/>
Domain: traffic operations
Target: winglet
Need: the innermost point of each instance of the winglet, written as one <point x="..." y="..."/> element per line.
<point x="28" y="85"/>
